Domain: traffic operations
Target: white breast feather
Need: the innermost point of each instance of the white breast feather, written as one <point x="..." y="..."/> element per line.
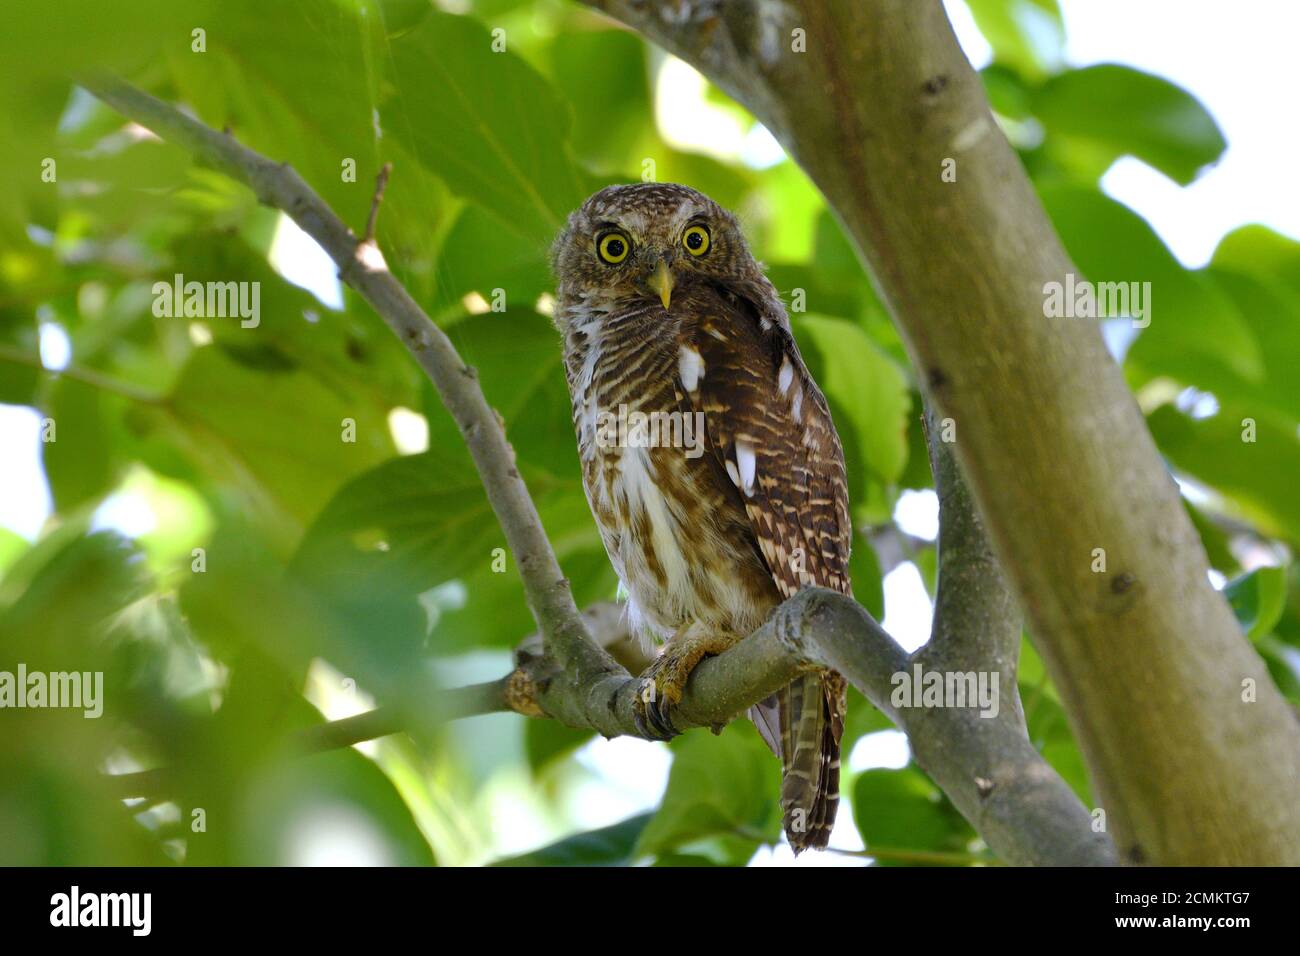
<point x="637" y="482"/>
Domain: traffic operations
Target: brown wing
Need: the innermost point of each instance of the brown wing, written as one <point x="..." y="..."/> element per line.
<point x="770" y="429"/>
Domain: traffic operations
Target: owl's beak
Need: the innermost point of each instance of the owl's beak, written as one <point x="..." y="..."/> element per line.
<point x="661" y="281"/>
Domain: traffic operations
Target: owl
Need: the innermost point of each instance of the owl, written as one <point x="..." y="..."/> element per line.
<point x="708" y="456"/>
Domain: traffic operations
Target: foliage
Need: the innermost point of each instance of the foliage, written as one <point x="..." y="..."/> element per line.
<point x="334" y="569"/>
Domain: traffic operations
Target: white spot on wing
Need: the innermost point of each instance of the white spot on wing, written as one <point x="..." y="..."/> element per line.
<point x="796" y="403"/>
<point x="785" y="376"/>
<point x="690" y="366"/>
<point x="747" y="463"/>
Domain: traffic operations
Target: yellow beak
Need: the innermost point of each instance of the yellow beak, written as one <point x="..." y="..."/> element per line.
<point x="661" y="281"/>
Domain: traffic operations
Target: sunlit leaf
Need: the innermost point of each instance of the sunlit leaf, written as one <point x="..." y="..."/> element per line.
<point x="867" y="391"/>
<point x="1120" y="111"/>
<point x="718" y="785"/>
<point x="488" y="125"/>
<point x="1028" y="34"/>
<point x="1257" y="599"/>
<point x="608" y="846"/>
<point x="902" y="810"/>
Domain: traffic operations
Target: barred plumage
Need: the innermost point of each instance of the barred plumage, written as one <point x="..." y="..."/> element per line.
<point x="665" y="312"/>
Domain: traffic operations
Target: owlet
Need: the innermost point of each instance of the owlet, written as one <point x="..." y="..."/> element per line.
<point x="708" y="456"/>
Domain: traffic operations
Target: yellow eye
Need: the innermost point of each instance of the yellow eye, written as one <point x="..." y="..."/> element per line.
<point x="696" y="240"/>
<point x="612" y="247"/>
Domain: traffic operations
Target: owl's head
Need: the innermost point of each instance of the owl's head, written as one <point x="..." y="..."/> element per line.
<point x="649" y="242"/>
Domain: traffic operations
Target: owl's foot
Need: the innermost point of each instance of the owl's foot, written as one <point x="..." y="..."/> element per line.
<point x="662" y="682"/>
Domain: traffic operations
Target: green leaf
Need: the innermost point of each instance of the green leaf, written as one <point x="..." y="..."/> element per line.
<point x="546" y="741"/>
<point x="399" y="16"/>
<point x="299" y="86"/>
<point x="603" y="76"/>
<point x="864" y="572"/>
<point x="83" y="35"/>
<point x="609" y="846"/>
<point x="903" y="810"/>
<point x="62" y="592"/>
<point x="832" y="282"/>
<point x="12" y="545"/>
<point x="423" y="521"/>
<point x="275" y="440"/>
<point x="499" y="139"/>
<point x="1110" y="111"/>
<point x="1027" y="34"/>
<point x="1271" y="309"/>
<point x="1258" y="599"/>
<point x="1214" y="538"/>
<point x="1049" y="728"/>
<point x="1007" y="91"/>
<point x="479" y="255"/>
<point x="83" y="460"/>
<point x="327" y="808"/>
<point x="724" y="785"/>
<point x="1259" y="251"/>
<point x="1256" y="477"/>
<point x="518" y="356"/>
<point x="18" y="381"/>
<point x="1196" y="334"/>
<point x="1283" y="662"/>
<point x="401" y="528"/>
<point x="868" y="393"/>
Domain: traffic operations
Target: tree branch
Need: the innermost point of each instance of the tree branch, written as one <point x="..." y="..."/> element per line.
<point x="1192" y="749"/>
<point x="362" y="266"/>
<point x="86" y="376"/>
<point x="998" y="780"/>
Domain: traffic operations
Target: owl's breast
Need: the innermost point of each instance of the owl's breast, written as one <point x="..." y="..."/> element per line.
<point x="671" y="522"/>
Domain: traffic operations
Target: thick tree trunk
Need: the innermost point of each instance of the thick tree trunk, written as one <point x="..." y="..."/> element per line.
<point x="1193" y="752"/>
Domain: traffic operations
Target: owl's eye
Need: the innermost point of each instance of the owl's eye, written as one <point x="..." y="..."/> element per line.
<point x="612" y="247"/>
<point x="696" y="240"/>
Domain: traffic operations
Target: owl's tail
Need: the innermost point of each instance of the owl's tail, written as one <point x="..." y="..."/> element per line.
<point x="809" y="720"/>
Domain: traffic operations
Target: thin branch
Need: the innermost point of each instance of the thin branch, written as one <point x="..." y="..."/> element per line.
<point x="381" y="183"/>
<point x="362" y="266"/>
<point x="452" y="704"/>
<point x="87" y="376"/>
<point x="1000" y="782"/>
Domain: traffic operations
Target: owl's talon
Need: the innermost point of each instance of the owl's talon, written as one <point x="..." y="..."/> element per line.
<point x="663" y="681"/>
<point x="658" y="710"/>
<point x="650" y="723"/>
<point x="642" y="728"/>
